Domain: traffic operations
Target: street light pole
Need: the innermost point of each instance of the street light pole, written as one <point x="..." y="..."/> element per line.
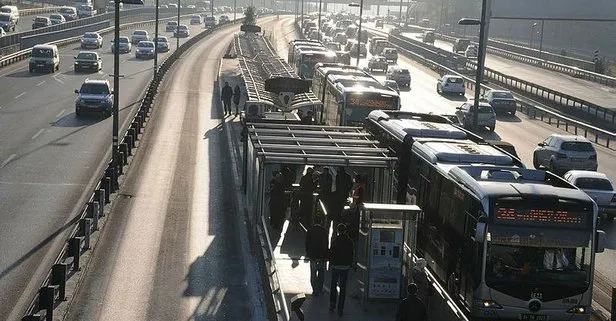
<point x="234" y="9"/>
<point x="116" y="98"/>
<point x="177" y="30"/>
<point x="156" y="40"/>
<point x="541" y="38"/>
<point x="361" y="12"/>
<point x="532" y="35"/>
<point x="320" y="4"/>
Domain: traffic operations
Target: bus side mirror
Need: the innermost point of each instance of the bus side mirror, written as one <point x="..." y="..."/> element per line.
<point x="600" y="241"/>
<point x="480" y="232"/>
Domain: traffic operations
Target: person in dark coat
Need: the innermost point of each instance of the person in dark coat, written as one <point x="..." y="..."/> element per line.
<point x="316" y="251"/>
<point x="307" y="186"/>
<point x="340" y="261"/>
<point x="237" y="94"/>
<point x="412" y="308"/>
<point x="226" y="94"/>
<point x="344" y="184"/>
<point x="276" y="202"/>
<point x="307" y="119"/>
<point x="359" y="190"/>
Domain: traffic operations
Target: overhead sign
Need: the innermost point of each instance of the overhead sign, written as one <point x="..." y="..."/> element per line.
<point x="250" y="28"/>
<point x="554" y="9"/>
<point x="287" y="84"/>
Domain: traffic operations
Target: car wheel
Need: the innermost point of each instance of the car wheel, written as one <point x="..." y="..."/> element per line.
<point x="438" y="90"/>
<point x="31" y="70"/>
<point x="512" y="113"/>
<point x="76" y="69"/>
<point x="491" y="128"/>
<point x="77" y="113"/>
<point x="536" y="163"/>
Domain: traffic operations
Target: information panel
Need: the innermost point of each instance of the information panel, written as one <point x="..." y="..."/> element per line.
<point x="373" y="102"/>
<point x="541" y="217"/>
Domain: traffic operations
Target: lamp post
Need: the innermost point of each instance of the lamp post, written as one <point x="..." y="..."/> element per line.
<point x="532" y="35"/>
<point x="156" y="41"/>
<point x="320" y="4"/>
<point x="483" y="23"/>
<point x="541" y="38"/>
<point x="177" y="31"/>
<point x="361" y="12"/>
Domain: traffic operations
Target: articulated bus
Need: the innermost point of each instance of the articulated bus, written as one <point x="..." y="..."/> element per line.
<point x="293" y="45"/>
<point x="305" y="60"/>
<point x="322" y="71"/>
<point x="508" y="243"/>
<point x="349" y="101"/>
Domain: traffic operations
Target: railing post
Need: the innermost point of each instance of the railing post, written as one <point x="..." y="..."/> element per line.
<point x="614" y="304"/>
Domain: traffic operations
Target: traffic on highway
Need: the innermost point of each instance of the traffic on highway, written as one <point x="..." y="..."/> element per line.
<point x="517" y="214"/>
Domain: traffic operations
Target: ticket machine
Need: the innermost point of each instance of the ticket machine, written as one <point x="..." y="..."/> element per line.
<point x="386" y="244"/>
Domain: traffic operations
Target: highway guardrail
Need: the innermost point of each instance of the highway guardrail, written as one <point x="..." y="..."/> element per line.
<point x="567" y="104"/>
<point x="434" y="61"/>
<point x="53" y="289"/>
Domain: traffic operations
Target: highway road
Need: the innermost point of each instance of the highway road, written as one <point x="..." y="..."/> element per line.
<point x="590" y="91"/>
<point x="171" y="251"/>
<point x="48" y="160"/>
<point x="522" y="132"/>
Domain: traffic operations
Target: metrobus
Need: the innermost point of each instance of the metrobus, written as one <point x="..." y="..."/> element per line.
<point x="305" y="60"/>
<point x="304" y="47"/>
<point x="322" y="71"/>
<point x="349" y="99"/>
<point x="299" y="42"/>
<point x="508" y="243"/>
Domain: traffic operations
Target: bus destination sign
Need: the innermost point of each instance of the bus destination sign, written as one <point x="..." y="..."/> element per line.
<point x="387" y="104"/>
<point x="541" y="217"/>
<point x="285" y="84"/>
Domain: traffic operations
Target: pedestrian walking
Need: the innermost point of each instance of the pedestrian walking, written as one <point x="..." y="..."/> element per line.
<point x="359" y="190"/>
<point x="344" y="184"/>
<point x="325" y="191"/>
<point x="412" y="308"/>
<point x="276" y="202"/>
<point x="307" y="186"/>
<point x="316" y="251"/>
<point x="226" y="94"/>
<point x="237" y="94"/>
<point x="340" y="260"/>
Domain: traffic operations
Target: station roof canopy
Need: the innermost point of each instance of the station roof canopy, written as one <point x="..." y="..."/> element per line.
<point x="317" y="145"/>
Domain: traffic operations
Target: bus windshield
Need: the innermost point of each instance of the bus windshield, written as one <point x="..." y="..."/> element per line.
<point x="359" y="105"/>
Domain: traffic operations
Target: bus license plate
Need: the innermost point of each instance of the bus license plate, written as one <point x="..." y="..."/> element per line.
<point x="534" y="317"/>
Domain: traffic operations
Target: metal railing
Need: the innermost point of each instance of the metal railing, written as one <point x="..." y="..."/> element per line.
<point x="53" y="289"/>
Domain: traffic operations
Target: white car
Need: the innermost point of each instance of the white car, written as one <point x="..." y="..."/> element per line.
<point x="145" y="50"/>
<point x="599" y="187"/>
<point x="139" y="35"/>
<point x="451" y="84"/>
<point x="561" y="153"/>
<point x="91" y="40"/>
<point x="486" y="117"/>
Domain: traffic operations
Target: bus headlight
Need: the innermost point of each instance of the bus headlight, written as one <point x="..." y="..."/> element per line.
<point x="578" y="309"/>
<point x="490" y="304"/>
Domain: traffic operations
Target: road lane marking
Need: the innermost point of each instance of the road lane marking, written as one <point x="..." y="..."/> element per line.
<point x="60" y="113"/>
<point x="40" y="83"/>
<point x="58" y="80"/>
<point x="8" y="160"/>
<point x="38" y="133"/>
<point x="17" y="97"/>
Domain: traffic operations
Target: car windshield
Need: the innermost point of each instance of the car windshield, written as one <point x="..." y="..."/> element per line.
<point x="139" y="33"/>
<point x="455" y="80"/>
<point x="87" y="56"/>
<point x="401" y="71"/>
<point x="502" y="94"/>
<point x="210" y="18"/>
<point x="160" y="39"/>
<point x="6" y="10"/>
<point x="485" y="109"/>
<point x="577" y="146"/>
<point x="145" y="45"/>
<point x="594" y="183"/>
<point x="5" y="17"/>
<point x="124" y="40"/>
<point x="94" y="89"/>
<point x="65" y="10"/>
<point x="55" y="16"/>
<point x="172" y="23"/>
<point x="90" y="35"/>
<point x="197" y="17"/>
<point x="183" y="28"/>
<point x="43" y="20"/>
<point x="41" y="52"/>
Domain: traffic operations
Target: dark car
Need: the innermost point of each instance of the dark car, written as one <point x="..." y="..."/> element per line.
<point x="502" y="101"/>
<point x="460" y="45"/>
<point x="41" y="22"/>
<point x="506" y="146"/>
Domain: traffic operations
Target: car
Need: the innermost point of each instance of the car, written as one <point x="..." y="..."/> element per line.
<point x="170" y="26"/>
<point x="139" y="35"/>
<point x="506" y="146"/>
<point x="94" y="96"/>
<point x="401" y="76"/>
<point x="181" y="31"/>
<point x="378" y="23"/>
<point x="163" y="6"/>
<point x="124" y="45"/>
<point x="562" y="153"/>
<point x="343" y="57"/>
<point x="144" y="50"/>
<point x="363" y="51"/>
<point x="44" y="57"/>
<point x="341" y="38"/>
<point x="333" y="46"/>
<point x="460" y="45"/>
<point x="13" y="10"/>
<point x="7" y="22"/>
<point x="191" y="6"/>
<point x="378" y="63"/>
<point x="451" y="84"/>
<point x="501" y="100"/>
<point x="471" y="52"/>
<point x="224" y="19"/>
<point x="88" y="60"/>
<point x="599" y="187"/>
<point x="69" y="13"/>
<point x="486" y="117"/>
<point x="195" y="20"/>
<point x="41" y="22"/>
<point x="91" y="40"/>
<point x="395" y="31"/>
<point x="209" y="21"/>
<point x="162" y="44"/>
<point x="391" y="84"/>
<point x="391" y="54"/>
<point x="173" y="6"/>
<point x="428" y="37"/>
<point x="56" y="18"/>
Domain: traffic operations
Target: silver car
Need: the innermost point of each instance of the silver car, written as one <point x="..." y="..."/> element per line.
<point x="138" y="36"/>
<point x="486" y="116"/>
<point x="91" y="40"/>
<point x="599" y="187"/>
<point x="561" y="153"/>
<point x="451" y="84"/>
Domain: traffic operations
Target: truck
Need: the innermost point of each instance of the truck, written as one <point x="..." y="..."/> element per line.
<point x="86" y="11"/>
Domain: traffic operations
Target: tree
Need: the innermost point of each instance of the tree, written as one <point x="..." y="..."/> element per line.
<point x="250" y="17"/>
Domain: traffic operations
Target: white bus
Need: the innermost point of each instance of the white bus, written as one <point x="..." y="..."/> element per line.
<point x="293" y="45"/>
<point x="322" y="71"/>
<point x="305" y="60"/>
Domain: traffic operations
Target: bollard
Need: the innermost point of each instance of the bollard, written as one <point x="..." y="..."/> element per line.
<point x="129" y="144"/>
<point x="58" y="277"/>
<point x="107" y="185"/>
<point x="85" y="230"/>
<point x="33" y="317"/>
<point x="122" y="162"/>
<point x="93" y="214"/>
<point x="613" y="312"/>
<point x="74" y="250"/>
<point x="124" y="151"/>
<point x="101" y="202"/>
<point x="47" y="299"/>
<point x="133" y="135"/>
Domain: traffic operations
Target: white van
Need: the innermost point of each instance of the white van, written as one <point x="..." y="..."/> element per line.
<point x="12" y="10"/>
<point x="44" y="58"/>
